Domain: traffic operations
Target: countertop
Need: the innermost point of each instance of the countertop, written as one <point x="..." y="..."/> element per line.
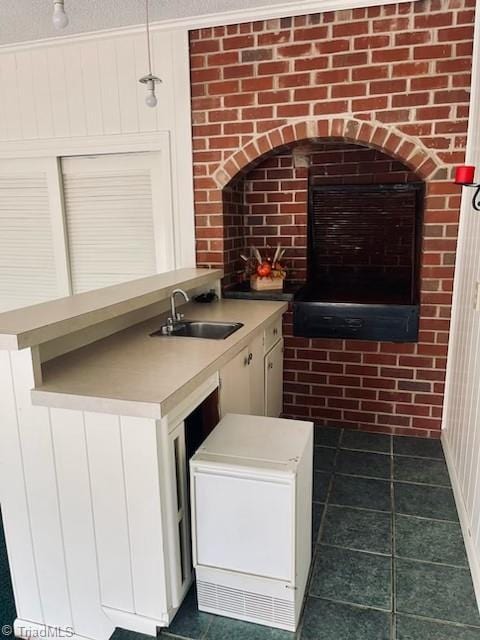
<point x="31" y="326"/>
<point x="131" y="373"/>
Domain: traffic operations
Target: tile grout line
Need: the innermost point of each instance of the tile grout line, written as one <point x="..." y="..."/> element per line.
<point x="452" y="623"/>
<point x="307" y="595"/>
<point x="317" y="543"/>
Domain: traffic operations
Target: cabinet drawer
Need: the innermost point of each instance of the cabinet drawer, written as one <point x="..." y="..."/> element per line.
<point x="273" y="333"/>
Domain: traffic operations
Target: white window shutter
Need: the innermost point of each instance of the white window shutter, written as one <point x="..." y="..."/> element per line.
<point x="113" y="219"/>
<point x="27" y="256"/>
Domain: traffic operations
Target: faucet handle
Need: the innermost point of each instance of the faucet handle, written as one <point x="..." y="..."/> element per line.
<point x="180" y="316"/>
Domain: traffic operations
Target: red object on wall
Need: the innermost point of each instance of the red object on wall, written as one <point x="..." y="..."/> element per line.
<point x="394" y="78"/>
<point x="464" y="174"/>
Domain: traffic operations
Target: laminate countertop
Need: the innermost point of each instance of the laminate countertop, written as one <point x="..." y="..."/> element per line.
<point x="131" y="373"/>
<point x="39" y="323"/>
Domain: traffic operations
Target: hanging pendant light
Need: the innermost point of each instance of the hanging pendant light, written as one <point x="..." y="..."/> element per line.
<point x="59" y="18"/>
<point x="149" y="79"/>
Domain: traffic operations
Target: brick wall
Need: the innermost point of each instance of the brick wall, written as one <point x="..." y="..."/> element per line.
<point x="395" y="78"/>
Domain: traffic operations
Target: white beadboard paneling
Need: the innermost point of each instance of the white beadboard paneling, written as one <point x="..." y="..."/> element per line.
<point x="162" y="66"/>
<point x="110" y="96"/>
<point x="41" y="90"/>
<point x="41" y="485"/>
<point x="92" y="88"/>
<point x="147" y="117"/>
<point x="16" y="518"/>
<point x="461" y="422"/>
<point x="126" y="81"/>
<point x="26" y="105"/>
<point x="144" y="516"/>
<point x="11" y="97"/>
<point x="27" y="262"/>
<point x="86" y="90"/>
<point x="75" y="95"/>
<point x="71" y="462"/>
<point x="183" y="207"/>
<point x="3" y="116"/>
<point x="107" y="479"/>
<point x="57" y="82"/>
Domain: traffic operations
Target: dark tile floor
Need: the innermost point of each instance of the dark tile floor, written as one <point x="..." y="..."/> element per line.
<point x="389" y="560"/>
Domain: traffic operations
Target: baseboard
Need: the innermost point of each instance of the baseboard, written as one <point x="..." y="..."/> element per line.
<point x="472" y="554"/>
<point x="28" y="630"/>
<point x="133" y="621"/>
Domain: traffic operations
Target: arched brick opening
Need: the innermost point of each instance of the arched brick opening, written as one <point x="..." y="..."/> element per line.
<point x="266" y="203"/>
<point x="376" y="386"/>
<point x="406" y="149"/>
<point x="362" y="79"/>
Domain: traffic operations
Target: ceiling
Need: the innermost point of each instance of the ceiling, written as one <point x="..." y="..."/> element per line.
<point x="23" y="20"/>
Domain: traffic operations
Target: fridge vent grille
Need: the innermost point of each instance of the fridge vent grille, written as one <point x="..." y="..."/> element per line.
<point x="254" y="606"/>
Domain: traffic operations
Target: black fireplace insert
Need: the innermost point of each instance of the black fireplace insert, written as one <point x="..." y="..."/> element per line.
<point x="363" y="263"/>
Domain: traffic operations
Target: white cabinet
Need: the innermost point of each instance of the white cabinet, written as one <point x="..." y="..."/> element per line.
<point x="242" y="381"/>
<point x="252" y="382"/>
<point x="181" y="558"/>
<point x="274" y="381"/>
<point x="235" y="385"/>
<point x="256" y="376"/>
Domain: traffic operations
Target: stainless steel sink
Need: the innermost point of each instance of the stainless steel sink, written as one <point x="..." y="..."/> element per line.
<point x="199" y="329"/>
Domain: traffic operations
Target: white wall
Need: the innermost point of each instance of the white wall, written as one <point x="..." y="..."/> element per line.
<point x="461" y="426"/>
<point x="81" y="95"/>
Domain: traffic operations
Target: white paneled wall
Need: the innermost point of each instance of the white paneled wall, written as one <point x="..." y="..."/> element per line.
<point x="84" y="528"/>
<point x="461" y="434"/>
<point x="87" y="87"/>
<point x="80" y="95"/>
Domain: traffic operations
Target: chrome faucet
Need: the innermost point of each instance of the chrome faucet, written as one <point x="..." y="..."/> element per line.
<point x="176" y="316"/>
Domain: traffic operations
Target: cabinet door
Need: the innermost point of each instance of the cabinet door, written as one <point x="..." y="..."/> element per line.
<point x="274" y="381"/>
<point x="235" y="385"/>
<point x="180" y="502"/>
<point x="257" y="376"/>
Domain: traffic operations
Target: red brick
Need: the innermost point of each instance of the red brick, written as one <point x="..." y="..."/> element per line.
<point x="349" y="29"/>
<point x="294" y="50"/>
<point x="430" y="52"/>
<point x="390" y="55"/>
<point x="238" y="42"/>
<point x="314" y="33"/>
<point x="371" y="42"/>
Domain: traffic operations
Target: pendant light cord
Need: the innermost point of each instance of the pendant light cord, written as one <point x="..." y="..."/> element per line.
<point x="148" y="38"/>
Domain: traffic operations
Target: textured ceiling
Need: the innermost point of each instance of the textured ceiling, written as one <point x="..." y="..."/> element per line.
<point x="22" y="20"/>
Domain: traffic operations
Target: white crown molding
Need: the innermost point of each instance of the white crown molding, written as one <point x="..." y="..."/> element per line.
<point x="280" y="10"/>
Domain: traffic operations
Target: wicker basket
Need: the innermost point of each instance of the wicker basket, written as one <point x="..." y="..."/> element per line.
<point x="266" y="283"/>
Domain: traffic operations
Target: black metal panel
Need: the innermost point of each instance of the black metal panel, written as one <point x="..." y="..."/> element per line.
<point x="363" y="263"/>
<point x="387" y="322"/>
<point x="359" y="230"/>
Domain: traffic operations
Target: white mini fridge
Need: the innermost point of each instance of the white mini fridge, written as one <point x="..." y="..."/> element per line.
<point x="251" y="497"/>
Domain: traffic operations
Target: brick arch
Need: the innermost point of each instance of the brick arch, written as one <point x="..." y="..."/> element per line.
<point x="389" y="140"/>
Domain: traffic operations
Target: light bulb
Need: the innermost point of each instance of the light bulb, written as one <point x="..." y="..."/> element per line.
<point x="60" y="18"/>
<point x="151" y="99"/>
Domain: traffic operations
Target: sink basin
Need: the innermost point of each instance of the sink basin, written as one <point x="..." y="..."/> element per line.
<point x="201" y="329"/>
